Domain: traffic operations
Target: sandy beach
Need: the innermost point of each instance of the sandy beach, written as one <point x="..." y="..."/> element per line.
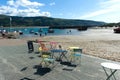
<point x="98" y="45"/>
<point x="101" y="43"/>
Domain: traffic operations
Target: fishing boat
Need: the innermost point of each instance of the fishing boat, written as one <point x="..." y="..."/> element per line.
<point x="82" y="28"/>
<point x="117" y="30"/>
<point x="31" y="31"/>
<point x="40" y="30"/>
<point x="36" y="33"/>
<point x="50" y="30"/>
<point x="20" y="32"/>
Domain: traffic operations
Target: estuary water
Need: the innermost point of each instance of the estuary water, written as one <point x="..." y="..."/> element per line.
<point x="33" y="31"/>
<point x="97" y="33"/>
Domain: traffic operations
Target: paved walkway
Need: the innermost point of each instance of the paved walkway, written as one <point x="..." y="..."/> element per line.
<point x="17" y="64"/>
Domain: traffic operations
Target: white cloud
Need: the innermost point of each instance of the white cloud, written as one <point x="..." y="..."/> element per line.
<point x="24" y="3"/>
<point x="53" y="3"/>
<point x="23" y="8"/>
<point x="46" y="14"/>
<point x="10" y="2"/>
<point x="108" y="7"/>
<point x="32" y="12"/>
<point x="97" y="13"/>
<point x="7" y="10"/>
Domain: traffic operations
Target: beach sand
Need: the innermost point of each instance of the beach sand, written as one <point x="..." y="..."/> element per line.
<point x="17" y="64"/>
<point x="101" y="43"/>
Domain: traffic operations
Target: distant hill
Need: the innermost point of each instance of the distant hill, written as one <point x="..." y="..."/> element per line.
<point x="111" y="25"/>
<point x="44" y="21"/>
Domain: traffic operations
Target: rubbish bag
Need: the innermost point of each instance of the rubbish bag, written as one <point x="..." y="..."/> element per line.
<point x="30" y="46"/>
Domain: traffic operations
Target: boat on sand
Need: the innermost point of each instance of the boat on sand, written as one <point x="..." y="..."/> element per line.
<point x="117" y="30"/>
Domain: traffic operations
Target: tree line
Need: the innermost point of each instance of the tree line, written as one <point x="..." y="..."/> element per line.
<point x="17" y="21"/>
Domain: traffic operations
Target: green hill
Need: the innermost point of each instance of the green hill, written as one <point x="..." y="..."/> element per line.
<point x="44" y="21"/>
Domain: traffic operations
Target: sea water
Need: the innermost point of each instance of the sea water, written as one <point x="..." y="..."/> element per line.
<point x="30" y="31"/>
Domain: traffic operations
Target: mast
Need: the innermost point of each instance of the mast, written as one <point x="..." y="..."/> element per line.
<point x="10" y="23"/>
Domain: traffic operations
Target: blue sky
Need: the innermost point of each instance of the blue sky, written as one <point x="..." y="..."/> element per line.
<point x="97" y="10"/>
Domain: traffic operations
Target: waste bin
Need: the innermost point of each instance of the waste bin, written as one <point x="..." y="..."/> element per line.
<point x="30" y="46"/>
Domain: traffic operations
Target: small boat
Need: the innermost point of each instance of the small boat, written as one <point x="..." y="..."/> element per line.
<point x="40" y="30"/>
<point x="20" y="32"/>
<point x="36" y="33"/>
<point x="31" y="31"/>
<point x="82" y="28"/>
<point x="0" y="31"/>
<point x="117" y="30"/>
<point x="50" y="31"/>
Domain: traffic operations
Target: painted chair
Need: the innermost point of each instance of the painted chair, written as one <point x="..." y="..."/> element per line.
<point x="53" y="45"/>
<point x="47" y="60"/>
<point x="58" y="53"/>
<point x="75" y="55"/>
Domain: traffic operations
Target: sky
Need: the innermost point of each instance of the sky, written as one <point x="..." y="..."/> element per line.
<point x="97" y="10"/>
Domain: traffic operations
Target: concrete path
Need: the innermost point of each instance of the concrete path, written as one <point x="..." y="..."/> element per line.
<point x="17" y="64"/>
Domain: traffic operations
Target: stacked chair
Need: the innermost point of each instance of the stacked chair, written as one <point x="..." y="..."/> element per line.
<point x="75" y="55"/>
<point x="46" y="55"/>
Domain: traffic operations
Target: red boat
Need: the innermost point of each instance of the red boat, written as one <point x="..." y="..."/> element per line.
<point x="117" y="30"/>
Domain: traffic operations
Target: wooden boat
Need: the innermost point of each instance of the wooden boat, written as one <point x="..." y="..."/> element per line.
<point x="50" y="31"/>
<point x="117" y="30"/>
<point x="20" y="32"/>
<point x="82" y="28"/>
<point x="36" y="33"/>
<point x="31" y="31"/>
<point x="40" y="30"/>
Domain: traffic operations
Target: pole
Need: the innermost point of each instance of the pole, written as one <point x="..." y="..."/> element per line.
<point x="10" y="23"/>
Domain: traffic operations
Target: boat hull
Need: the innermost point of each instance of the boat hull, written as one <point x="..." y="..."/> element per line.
<point x="117" y="30"/>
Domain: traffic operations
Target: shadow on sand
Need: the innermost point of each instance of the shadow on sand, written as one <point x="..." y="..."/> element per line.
<point x="70" y="66"/>
<point x="25" y="78"/>
<point x="41" y="70"/>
